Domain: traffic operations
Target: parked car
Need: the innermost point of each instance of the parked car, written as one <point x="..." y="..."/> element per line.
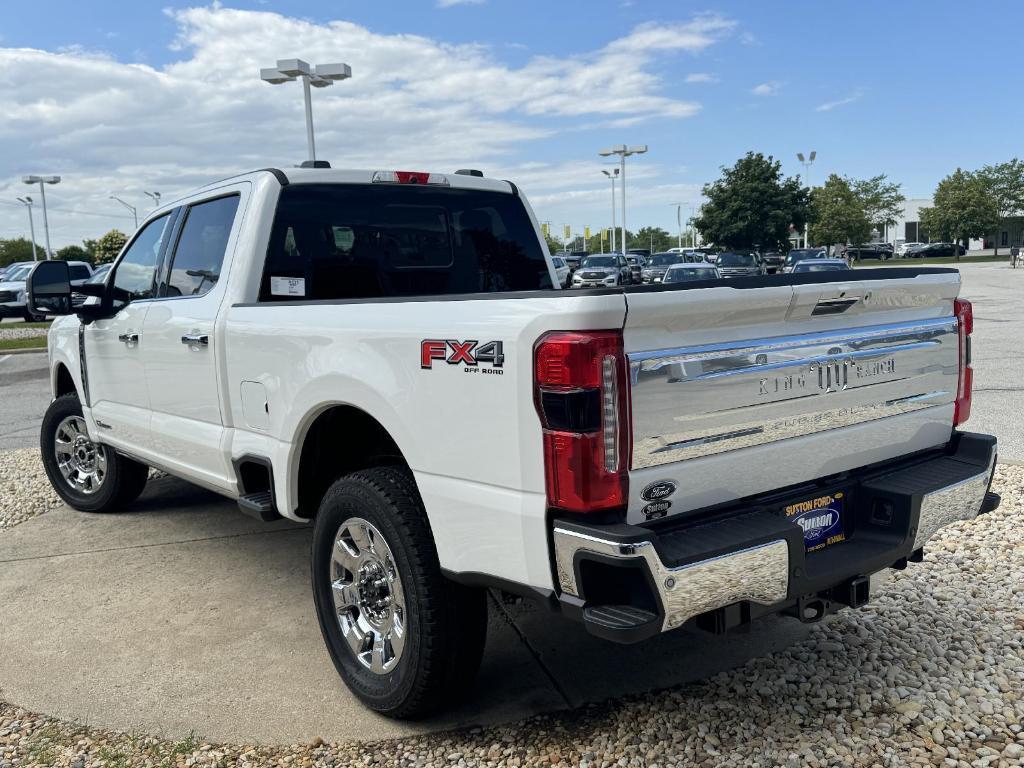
<point x="802" y="254"/>
<point x="772" y="261"/>
<point x="821" y="265"/>
<point x="869" y="251"/>
<point x="645" y="252"/>
<point x="689" y="272"/>
<point x="658" y="265"/>
<point x="732" y="264"/>
<point x="564" y="447"/>
<point x="562" y="271"/>
<point x="933" y="250"/>
<point x="636" y="264"/>
<point x="902" y="249"/>
<point x="573" y="259"/>
<point x="600" y="271"/>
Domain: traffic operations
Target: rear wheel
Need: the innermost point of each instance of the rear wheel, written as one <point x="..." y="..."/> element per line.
<point x="406" y="640"/>
<point x="88" y="476"/>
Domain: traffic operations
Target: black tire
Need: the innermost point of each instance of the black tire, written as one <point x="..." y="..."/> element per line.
<point x="445" y="622"/>
<point x="30" y="317"/>
<point x="124" y="478"/>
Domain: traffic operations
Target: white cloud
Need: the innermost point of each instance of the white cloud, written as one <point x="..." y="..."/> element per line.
<point x="767" y="89"/>
<point x="701" y="77"/>
<point x="828" y="106"/>
<point x="108" y="126"/>
<point x="451" y="3"/>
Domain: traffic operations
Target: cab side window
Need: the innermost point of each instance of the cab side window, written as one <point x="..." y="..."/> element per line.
<point x="199" y="254"/>
<point x="135" y="274"/>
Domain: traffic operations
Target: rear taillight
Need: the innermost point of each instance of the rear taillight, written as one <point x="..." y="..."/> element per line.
<point x="581" y="392"/>
<point x="965" y="327"/>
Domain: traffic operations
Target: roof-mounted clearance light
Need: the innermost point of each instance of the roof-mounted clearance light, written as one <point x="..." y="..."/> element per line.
<point x="409" y="177"/>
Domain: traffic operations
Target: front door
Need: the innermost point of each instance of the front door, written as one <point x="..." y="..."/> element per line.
<point x="182" y="346"/>
<point x="118" y="394"/>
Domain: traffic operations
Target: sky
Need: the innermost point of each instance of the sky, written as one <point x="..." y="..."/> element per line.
<point x="121" y="98"/>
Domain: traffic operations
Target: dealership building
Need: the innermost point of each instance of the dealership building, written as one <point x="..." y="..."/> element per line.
<point x="907" y="228"/>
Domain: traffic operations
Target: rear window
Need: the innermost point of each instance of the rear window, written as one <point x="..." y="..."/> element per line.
<point x="736" y="260"/>
<point x="349" y="241"/>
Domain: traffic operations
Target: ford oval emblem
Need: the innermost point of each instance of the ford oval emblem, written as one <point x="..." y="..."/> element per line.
<point x="659" y="490"/>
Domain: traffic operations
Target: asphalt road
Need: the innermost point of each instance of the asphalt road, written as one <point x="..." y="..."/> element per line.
<point x="998" y="347"/>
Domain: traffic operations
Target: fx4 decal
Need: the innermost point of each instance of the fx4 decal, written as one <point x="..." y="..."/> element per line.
<point x="469" y="353"/>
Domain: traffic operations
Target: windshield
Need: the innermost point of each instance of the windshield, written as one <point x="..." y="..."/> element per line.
<point x="599" y="261"/>
<point x="736" y="260"/>
<point x="18" y="273"/>
<point x="800" y="254"/>
<point x="819" y="267"/>
<point x="665" y="259"/>
<point x="687" y="274"/>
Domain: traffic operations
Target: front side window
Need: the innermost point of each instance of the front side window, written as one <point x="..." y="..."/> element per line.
<point x="78" y="272"/>
<point x="350" y="241"/>
<point x="136" y="272"/>
<point x="199" y="254"/>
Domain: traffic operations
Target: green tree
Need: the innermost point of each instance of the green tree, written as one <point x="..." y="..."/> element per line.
<point x="73" y="253"/>
<point x="752" y="205"/>
<point x="18" y="249"/>
<point x="881" y="200"/>
<point x="1006" y="183"/>
<point x="965" y="207"/>
<point x="838" y="214"/>
<point x="656" y="239"/>
<point x="109" y="245"/>
<point x="553" y="245"/>
<point x="90" y="248"/>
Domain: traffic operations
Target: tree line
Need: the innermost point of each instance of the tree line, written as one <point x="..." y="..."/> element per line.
<point x="102" y="250"/>
<point x="752" y="206"/>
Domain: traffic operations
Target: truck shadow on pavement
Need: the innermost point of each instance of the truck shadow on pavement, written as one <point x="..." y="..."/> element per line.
<point x="184" y="615"/>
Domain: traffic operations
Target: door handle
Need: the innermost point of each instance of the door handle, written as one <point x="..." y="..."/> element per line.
<point x="129" y="338"/>
<point x="199" y="339"/>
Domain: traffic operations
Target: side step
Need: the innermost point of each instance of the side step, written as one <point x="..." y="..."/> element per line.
<point x="991" y="503"/>
<point x="259" y="505"/>
<point x="621" y="623"/>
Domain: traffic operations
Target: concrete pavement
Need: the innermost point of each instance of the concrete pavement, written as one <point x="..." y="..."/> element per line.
<point x="184" y="615"/>
<point x="24" y="395"/>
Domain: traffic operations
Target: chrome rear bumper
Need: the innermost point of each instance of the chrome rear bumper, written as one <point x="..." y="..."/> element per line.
<point x="758" y="558"/>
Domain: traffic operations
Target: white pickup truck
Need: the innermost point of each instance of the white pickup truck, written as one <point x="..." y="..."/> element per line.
<point x="387" y="355"/>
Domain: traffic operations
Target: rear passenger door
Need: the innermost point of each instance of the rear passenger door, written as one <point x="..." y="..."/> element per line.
<point x="182" y="347"/>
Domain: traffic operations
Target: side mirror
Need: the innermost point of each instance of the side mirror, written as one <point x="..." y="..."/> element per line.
<point x="49" y="288"/>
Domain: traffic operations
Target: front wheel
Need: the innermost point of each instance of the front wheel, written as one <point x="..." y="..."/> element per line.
<point x="406" y="640"/>
<point x="88" y="476"/>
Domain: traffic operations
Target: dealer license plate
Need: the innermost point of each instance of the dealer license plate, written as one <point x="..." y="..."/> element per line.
<point x="822" y="519"/>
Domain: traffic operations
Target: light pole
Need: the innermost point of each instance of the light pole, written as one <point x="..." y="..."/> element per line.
<point x="679" y="224"/>
<point x="612" y="175"/>
<point x="318" y="76"/>
<point x="807" y="169"/>
<point x="42" y="181"/>
<point x="623" y="152"/>
<point x="27" y="202"/>
<point x="154" y="196"/>
<point x="135" y="213"/>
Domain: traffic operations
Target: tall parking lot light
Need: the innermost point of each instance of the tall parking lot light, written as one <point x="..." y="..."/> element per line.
<point x="154" y="196"/>
<point x="807" y="163"/>
<point x="318" y="76"/>
<point x="130" y="207"/>
<point x="42" y="181"/>
<point x="612" y="175"/>
<point x="623" y="152"/>
<point x="27" y="202"/>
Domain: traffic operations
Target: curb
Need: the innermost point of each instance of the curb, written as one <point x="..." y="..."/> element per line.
<point x="32" y="351"/>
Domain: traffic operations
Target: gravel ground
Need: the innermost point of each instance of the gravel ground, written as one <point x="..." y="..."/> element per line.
<point x="931" y="673"/>
<point x="21" y="333"/>
<point x="24" y="490"/>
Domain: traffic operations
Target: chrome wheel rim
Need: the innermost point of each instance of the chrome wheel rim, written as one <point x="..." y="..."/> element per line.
<point x="82" y="463"/>
<point x="368" y="597"/>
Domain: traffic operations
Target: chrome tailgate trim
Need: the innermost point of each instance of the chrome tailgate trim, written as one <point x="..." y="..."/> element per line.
<point x="698" y="401"/>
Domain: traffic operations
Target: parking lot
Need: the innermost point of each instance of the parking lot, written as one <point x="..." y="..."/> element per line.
<point x="183" y="616"/>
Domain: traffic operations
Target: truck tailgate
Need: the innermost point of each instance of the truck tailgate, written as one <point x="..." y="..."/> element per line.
<point x="743" y="388"/>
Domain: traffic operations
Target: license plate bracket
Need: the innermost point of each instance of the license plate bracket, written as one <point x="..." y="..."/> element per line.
<point x="822" y="518"/>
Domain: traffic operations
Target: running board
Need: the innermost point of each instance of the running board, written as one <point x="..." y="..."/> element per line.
<point x="259" y="505"/>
